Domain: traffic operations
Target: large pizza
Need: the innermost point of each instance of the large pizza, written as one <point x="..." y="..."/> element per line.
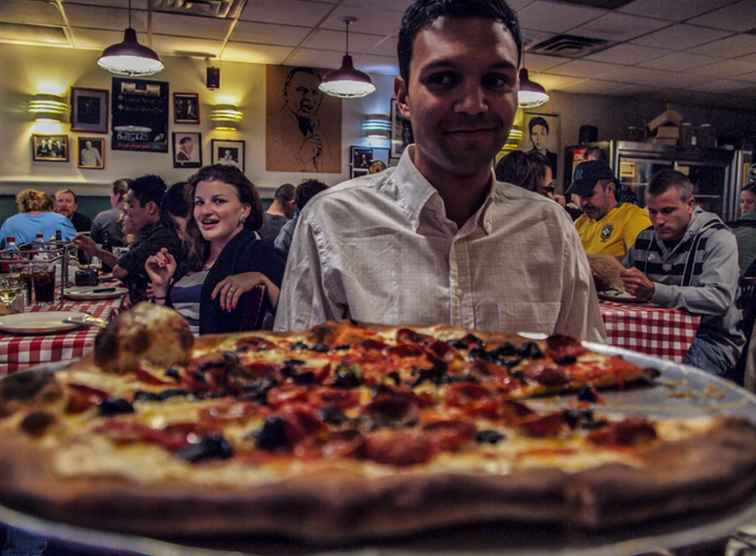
<point x="346" y="432"/>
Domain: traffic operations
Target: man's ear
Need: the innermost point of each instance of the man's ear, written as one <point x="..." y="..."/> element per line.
<point x="401" y="92"/>
<point x="153" y="208"/>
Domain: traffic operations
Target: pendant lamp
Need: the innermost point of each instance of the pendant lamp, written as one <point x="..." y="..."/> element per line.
<point x="347" y="81"/>
<point x="531" y="94"/>
<point x="130" y="58"/>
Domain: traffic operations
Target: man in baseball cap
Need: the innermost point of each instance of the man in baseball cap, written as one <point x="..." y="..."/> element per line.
<point x="606" y="227"/>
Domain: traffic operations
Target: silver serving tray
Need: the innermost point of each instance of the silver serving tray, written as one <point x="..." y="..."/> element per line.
<point x="681" y="391"/>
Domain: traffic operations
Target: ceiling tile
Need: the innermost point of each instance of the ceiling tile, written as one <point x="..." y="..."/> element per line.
<point x="557" y="18"/>
<point x="255" y="53"/>
<point x="749" y="58"/>
<point x="629" y="54"/>
<point x="531" y="37"/>
<point x="291" y="12"/>
<point x="597" y="87"/>
<point x="323" y="39"/>
<point x="30" y="12"/>
<point x="135" y="4"/>
<point x="678" y="61"/>
<point x="731" y="47"/>
<point x="394" y="5"/>
<point x="37" y="35"/>
<point x="555" y="82"/>
<point x="315" y="58"/>
<point x="584" y="68"/>
<point x="619" y="27"/>
<point x="748" y="77"/>
<point x="680" y="37"/>
<point x="185" y="46"/>
<point x="721" y="86"/>
<point x="93" y="39"/>
<point x="629" y="74"/>
<point x="105" y="18"/>
<point x="385" y="65"/>
<point x="539" y="62"/>
<point x="675" y="11"/>
<point x="369" y="20"/>
<point x="266" y="33"/>
<point x="727" y="68"/>
<point x="190" y="26"/>
<point x="736" y="17"/>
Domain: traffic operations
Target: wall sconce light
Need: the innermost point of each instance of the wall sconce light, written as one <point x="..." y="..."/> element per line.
<point x="376" y="126"/>
<point x="226" y="117"/>
<point x="48" y="107"/>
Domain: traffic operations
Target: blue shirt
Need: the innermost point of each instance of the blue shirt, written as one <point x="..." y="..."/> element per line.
<point x="25" y="226"/>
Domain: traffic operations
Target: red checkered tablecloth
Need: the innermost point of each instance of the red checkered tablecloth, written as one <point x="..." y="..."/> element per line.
<point x="659" y="331"/>
<point x="18" y="352"/>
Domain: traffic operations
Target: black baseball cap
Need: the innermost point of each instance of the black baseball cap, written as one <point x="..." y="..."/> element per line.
<point x="587" y="174"/>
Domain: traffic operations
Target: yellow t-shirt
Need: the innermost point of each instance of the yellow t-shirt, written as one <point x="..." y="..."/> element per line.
<point x="615" y="233"/>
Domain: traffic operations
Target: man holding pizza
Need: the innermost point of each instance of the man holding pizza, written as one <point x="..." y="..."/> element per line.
<point x="437" y="239"/>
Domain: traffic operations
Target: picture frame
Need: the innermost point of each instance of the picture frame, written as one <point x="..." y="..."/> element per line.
<point x="49" y="148"/>
<point x="228" y="152"/>
<point x="543" y="133"/>
<point x="187" y="149"/>
<point x="91" y="152"/>
<point x="186" y="108"/>
<point x="90" y="109"/>
<point x="364" y="160"/>
<point x="401" y="131"/>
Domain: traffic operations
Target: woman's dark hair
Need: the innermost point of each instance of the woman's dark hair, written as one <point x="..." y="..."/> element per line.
<point x="199" y="248"/>
<point x="307" y="190"/>
<point x="177" y="200"/>
<point x="527" y="170"/>
<point x="422" y="13"/>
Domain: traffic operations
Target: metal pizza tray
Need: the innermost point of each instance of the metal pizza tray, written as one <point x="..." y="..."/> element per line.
<point x="681" y="391"/>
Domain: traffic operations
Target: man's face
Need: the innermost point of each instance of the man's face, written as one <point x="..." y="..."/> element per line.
<point x="88" y="144"/>
<point x="598" y="203"/>
<point x="539" y="136"/>
<point x="65" y="204"/>
<point x="669" y="213"/>
<point x="303" y="97"/>
<point x="747" y="202"/>
<point x="136" y="216"/>
<point x="187" y="146"/>
<point x="546" y="188"/>
<point x="461" y="96"/>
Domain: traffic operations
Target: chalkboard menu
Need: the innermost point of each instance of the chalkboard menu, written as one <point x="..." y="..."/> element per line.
<point x="140" y="115"/>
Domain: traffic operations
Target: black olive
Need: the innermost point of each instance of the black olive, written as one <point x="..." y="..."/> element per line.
<point x="209" y="394"/>
<point x="294" y="362"/>
<point x="579" y="417"/>
<point x="587" y="394"/>
<point x="142" y="396"/>
<point x="566" y="360"/>
<point x="462" y="378"/>
<point x="505" y="350"/>
<point x="307" y="377"/>
<point x="118" y="406"/>
<point x="489" y="436"/>
<point x="531" y="351"/>
<point x="436" y="375"/>
<point x="209" y="447"/>
<point x="257" y="390"/>
<point x="172" y="393"/>
<point x="458" y="344"/>
<point x="320" y="348"/>
<point x="347" y="376"/>
<point x="333" y="415"/>
<point x="272" y="435"/>
<point x="342" y="347"/>
<point x="480" y="353"/>
<point x="393" y="375"/>
<point x="299" y="345"/>
<point x="172" y="373"/>
<point x="36" y="423"/>
<point x="199" y="376"/>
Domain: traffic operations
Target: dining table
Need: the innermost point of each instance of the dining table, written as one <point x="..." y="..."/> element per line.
<point x="21" y="351"/>
<point x="663" y="332"/>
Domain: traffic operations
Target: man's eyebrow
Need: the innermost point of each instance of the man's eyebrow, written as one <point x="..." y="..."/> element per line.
<point x="448" y="63"/>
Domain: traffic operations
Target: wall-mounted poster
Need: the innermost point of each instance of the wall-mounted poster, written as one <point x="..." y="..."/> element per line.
<point x="187" y="149"/>
<point x="50" y="148"/>
<point x="227" y="152"/>
<point x="303" y="125"/>
<point x="367" y="160"/>
<point x="140" y="115"/>
<point x="92" y="152"/>
<point x="89" y="110"/>
<point x="542" y="134"/>
<point x="401" y="131"/>
<point x="186" y="108"/>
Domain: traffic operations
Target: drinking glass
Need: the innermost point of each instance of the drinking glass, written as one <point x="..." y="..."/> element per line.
<point x="43" y="282"/>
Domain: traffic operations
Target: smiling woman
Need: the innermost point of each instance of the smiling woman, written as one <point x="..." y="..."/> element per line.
<point x="220" y="288"/>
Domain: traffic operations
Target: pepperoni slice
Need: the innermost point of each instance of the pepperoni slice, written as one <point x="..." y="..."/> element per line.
<point x="149" y="378"/>
<point x="343" y="444"/>
<point x="391" y="410"/>
<point x="407" y="336"/>
<point x="407" y="350"/>
<point x="398" y="447"/>
<point x="172" y="437"/>
<point x="628" y="432"/>
<point x="287" y="393"/>
<point x="564" y="348"/>
<point x="230" y="411"/>
<point x="253" y="343"/>
<point x="543" y="426"/>
<point x="81" y="397"/>
<point x="449" y="434"/>
<point x="301" y="421"/>
<point x="336" y="397"/>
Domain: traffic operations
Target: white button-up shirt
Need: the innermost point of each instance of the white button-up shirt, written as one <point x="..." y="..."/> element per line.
<point x="380" y="249"/>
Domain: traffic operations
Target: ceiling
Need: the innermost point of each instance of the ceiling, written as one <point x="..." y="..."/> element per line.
<point x="695" y="51"/>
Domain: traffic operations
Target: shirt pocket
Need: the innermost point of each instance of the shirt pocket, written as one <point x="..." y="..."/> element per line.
<point x="532" y="316"/>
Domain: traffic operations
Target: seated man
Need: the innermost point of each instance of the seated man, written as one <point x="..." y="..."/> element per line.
<point x="142" y="211"/>
<point x="106" y="228"/>
<point x="689" y="260"/>
<point x="67" y="205"/>
<point x="305" y="191"/>
<point x="745" y="227"/>
<point x="437" y="239"/>
<point x="606" y="227"/>
<point x="279" y="212"/>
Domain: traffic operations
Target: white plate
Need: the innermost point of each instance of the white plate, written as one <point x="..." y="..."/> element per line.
<point x="85" y="293"/>
<point x="40" y="323"/>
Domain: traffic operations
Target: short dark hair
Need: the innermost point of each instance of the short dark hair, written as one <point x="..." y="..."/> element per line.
<point x="185" y="139"/>
<point x="285" y="193"/>
<point x="538" y="120"/>
<point x="149" y="188"/>
<point x="666" y="179"/>
<point x="307" y="190"/>
<point x="176" y="201"/>
<point x="750" y="187"/>
<point x="422" y="13"/>
<point x="524" y="169"/>
<point x="121" y="186"/>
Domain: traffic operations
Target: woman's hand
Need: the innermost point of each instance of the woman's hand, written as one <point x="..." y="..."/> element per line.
<point x="160" y="268"/>
<point x="229" y="290"/>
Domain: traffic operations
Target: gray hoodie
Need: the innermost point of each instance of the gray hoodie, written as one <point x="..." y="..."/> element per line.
<point x="699" y="274"/>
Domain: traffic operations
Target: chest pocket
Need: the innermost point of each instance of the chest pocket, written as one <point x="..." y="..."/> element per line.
<point x="529" y="316"/>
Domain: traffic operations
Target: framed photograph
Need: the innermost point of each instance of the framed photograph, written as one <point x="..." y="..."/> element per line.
<point x="186" y="108"/>
<point x="187" y="150"/>
<point x="227" y="152"/>
<point x="367" y="160"/>
<point x="401" y="131"/>
<point x="89" y="110"/>
<point x="50" y="148"/>
<point x="91" y="152"/>
<point x="542" y="134"/>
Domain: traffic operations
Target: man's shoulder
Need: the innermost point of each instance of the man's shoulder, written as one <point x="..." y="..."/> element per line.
<point x="353" y="193"/>
<point x="630" y="210"/>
